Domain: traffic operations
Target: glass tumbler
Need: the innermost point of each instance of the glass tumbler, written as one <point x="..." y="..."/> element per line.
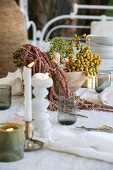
<point x="66" y="113"/>
<point x="103" y="80"/>
<point x="5" y="96"/>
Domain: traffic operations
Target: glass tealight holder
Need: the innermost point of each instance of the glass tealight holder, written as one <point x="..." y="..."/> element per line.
<point x="103" y="80"/>
<point x="5" y="96"/>
<point x="66" y="113"/>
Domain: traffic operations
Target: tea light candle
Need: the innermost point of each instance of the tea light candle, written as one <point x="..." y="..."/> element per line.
<point x="11" y="142"/>
<point x="90" y="82"/>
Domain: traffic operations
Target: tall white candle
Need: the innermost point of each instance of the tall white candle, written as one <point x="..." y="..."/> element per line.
<point x="27" y="94"/>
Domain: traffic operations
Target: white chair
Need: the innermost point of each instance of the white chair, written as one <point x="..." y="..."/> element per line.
<point x="44" y="35"/>
<point x="29" y="24"/>
<point x="74" y="16"/>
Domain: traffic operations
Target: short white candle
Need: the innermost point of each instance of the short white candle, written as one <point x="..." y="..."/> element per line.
<point x="41" y="80"/>
<point x="27" y="94"/>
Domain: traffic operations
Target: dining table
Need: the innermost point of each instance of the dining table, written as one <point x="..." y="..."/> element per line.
<point x="46" y="159"/>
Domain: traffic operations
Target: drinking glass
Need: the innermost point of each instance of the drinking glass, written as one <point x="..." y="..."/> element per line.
<point x="5" y="96"/>
<point x="66" y="113"/>
<point x="103" y="80"/>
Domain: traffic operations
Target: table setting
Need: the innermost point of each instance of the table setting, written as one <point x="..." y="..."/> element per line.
<point x="65" y="110"/>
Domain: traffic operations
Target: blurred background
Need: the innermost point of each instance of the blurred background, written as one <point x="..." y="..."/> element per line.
<point x="41" y="11"/>
<point x="34" y="21"/>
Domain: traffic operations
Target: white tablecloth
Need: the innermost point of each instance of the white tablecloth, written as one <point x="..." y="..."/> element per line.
<point x="45" y="159"/>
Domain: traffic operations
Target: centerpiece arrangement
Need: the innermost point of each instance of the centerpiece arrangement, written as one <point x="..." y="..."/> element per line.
<point x="60" y="61"/>
<point x="76" y="65"/>
<point x="82" y="61"/>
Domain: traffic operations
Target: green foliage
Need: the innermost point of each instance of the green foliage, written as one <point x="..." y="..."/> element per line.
<point x="18" y="57"/>
<point x="62" y="46"/>
<point x="109" y="12"/>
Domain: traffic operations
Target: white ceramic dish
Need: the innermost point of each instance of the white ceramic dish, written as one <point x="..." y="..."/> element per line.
<point x="91" y="43"/>
<point x="105" y="55"/>
<point x="102" y="40"/>
<point x="107" y="64"/>
<point x="101" y="50"/>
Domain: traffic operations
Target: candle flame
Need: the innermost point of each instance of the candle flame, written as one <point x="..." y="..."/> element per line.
<point x="30" y="65"/>
<point x="9" y="129"/>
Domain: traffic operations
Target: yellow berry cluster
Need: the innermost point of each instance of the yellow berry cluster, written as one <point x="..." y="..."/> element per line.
<point x="85" y="61"/>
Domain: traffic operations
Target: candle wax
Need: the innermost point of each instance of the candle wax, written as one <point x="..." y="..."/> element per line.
<point x="27" y="94"/>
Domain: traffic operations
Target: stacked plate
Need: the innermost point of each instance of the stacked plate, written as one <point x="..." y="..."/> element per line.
<point x="102" y="46"/>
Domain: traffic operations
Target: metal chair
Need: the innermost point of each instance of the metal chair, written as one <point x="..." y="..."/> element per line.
<point x="29" y="24"/>
<point x="44" y="35"/>
<point x="73" y="15"/>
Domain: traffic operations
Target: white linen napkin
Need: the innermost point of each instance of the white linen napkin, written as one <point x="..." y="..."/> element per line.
<point x="15" y="80"/>
<point x="106" y="96"/>
<point x="95" y="145"/>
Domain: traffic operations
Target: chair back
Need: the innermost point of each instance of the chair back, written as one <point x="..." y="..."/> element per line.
<point x="75" y="16"/>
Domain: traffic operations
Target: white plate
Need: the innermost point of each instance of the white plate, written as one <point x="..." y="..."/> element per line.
<point x="101" y="50"/>
<point x="105" y="68"/>
<point x="102" y="40"/>
<point x="107" y="64"/>
<point x="91" y="43"/>
<point x="105" y="55"/>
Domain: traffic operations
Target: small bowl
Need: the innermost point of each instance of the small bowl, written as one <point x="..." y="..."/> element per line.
<point x="76" y="79"/>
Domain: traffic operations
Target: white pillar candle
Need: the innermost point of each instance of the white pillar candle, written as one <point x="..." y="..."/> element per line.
<point x="41" y="80"/>
<point x="27" y="94"/>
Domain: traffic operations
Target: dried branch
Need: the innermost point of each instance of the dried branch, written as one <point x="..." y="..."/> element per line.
<point x="88" y="105"/>
<point x="29" y="53"/>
